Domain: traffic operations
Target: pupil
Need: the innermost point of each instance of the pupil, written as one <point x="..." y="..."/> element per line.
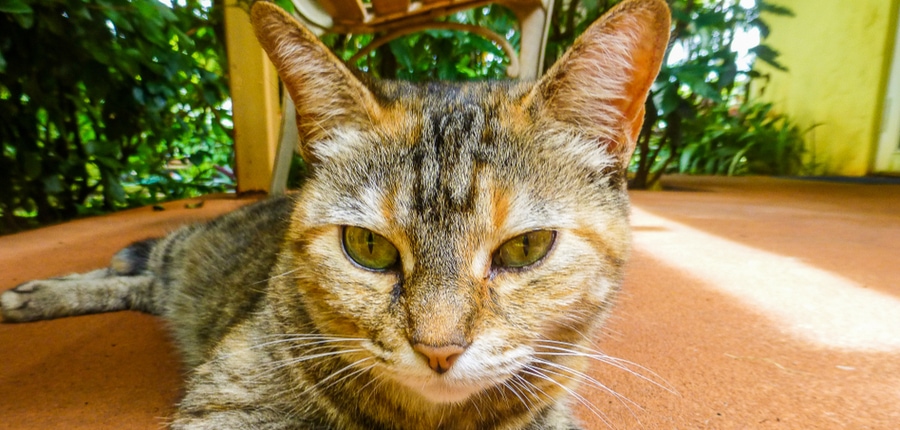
<point x="525" y="245"/>
<point x="370" y="241"/>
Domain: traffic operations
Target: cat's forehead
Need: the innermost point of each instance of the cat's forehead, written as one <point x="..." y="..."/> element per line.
<point x="459" y="141"/>
<point x="451" y="155"/>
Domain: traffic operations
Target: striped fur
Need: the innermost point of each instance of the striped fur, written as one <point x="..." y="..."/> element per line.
<point x="282" y="330"/>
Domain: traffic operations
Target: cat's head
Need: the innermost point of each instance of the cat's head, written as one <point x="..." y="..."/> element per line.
<point x="469" y="233"/>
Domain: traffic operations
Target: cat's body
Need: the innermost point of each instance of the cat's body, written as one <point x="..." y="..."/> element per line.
<point x="446" y="264"/>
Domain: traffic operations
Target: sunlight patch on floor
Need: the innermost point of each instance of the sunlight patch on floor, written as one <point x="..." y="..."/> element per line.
<point x="808" y="302"/>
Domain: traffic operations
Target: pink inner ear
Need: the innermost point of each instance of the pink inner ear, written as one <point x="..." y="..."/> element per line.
<point x="327" y="95"/>
<point x="646" y="59"/>
<point x="636" y="122"/>
<point x="601" y="84"/>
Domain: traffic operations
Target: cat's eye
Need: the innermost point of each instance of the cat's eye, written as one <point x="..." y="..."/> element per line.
<point x="524" y="249"/>
<point x="369" y="249"/>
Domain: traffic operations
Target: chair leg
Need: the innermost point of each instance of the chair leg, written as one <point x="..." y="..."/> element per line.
<point x="534" y="23"/>
<point x="287" y="144"/>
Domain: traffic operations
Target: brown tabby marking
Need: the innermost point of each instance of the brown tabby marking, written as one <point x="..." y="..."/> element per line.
<point x="282" y="328"/>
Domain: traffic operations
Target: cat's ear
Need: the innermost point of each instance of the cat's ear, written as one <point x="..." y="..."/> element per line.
<point x="328" y="96"/>
<point x="601" y="84"/>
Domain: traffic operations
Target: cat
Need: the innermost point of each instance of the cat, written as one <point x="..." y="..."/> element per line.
<point x="446" y="264"/>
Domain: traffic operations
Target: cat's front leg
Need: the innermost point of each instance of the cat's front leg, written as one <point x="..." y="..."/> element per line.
<point x="240" y="386"/>
<point x="222" y="398"/>
<point x="98" y="291"/>
<point x="125" y="284"/>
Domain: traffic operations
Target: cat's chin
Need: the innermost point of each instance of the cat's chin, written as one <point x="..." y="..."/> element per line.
<point x="440" y="390"/>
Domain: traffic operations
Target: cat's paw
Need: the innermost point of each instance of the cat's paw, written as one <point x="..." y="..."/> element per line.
<point x="19" y="304"/>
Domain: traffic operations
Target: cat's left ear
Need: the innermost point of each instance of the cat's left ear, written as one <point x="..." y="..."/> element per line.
<point x="601" y="84"/>
<point x="328" y="96"/>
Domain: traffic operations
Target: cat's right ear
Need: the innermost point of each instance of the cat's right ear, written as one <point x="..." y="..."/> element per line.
<point x="329" y="98"/>
<point x="600" y="84"/>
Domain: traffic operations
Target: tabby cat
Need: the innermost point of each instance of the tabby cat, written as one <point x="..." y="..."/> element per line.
<point x="446" y="265"/>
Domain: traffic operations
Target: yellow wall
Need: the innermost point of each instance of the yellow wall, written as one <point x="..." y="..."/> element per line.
<point x="838" y="56"/>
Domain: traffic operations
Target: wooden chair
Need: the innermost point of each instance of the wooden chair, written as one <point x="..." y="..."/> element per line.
<point x="397" y="18"/>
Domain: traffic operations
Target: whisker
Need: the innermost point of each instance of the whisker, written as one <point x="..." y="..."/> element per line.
<point x="375" y="379"/>
<point x="522" y="382"/>
<point x="319" y="341"/>
<point x="318" y="384"/>
<point x="336" y="373"/>
<point x="512" y="388"/>
<point x="582" y="377"/>
<point x="530" y="370"/>
<point x="270" y="368"/>
<point x="280" y="275"/>
<point x="576" y="375"/>
<point x="566" y="350"/>
<point x="354" y="374"/>
<point x="304" y="358"/>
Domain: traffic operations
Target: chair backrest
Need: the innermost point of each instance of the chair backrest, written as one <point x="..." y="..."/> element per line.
<point x="355" y="16"/>
<point x="396" y="18"/>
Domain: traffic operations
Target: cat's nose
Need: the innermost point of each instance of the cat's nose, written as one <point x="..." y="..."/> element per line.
<point x="440" y="358"/>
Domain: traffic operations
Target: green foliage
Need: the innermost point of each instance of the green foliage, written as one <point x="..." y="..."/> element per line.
<point x="694" y="94"/>
<point x="436" y="54"/>
<point x="570" y="19"/>
<point x="108" y="104"/>
<point x="737" y="140"/>
<point x="695" y="91"/>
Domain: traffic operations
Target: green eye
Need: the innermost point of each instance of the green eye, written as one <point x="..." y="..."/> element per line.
<point x="524" y="249"/>
<point x="369" y="249"/>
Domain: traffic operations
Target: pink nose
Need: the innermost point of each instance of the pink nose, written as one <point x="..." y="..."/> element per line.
<point x="440" y="358"/>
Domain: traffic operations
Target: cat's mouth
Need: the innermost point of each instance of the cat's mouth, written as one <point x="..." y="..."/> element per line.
<point x="444" y="389"/>
<point x="467" y="378"/>
<point x="477" y="370"/>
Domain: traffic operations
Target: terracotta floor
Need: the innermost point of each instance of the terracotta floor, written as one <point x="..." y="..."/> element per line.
<point x="750" y="303"/>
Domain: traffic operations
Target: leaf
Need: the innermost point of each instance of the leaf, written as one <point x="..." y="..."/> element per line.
<point x="695" y="79"/>
<point x="287" y="5"/>
<point x="727" y="75"/>
<point x="764" y="29"/>
<point x="768" y="55"/>
<point x="736" y="159"/>
<point x="402" y="54"/>
<point x="52" y="185"/>
<point x="31" y="163"/>
<point x="25" y="20"/>
<point x="109" y="163"/>
<point x="479" y="44"/>
<point x="774" y="9"/>
<point x="714" y="19"/>
<point x="678" y="14"/>
<point x="667" y="100"/>
<point x="112" y="189"/>
<point x="199" y="158"/>
<point x="684" y="164"/>
<point x="82" y="11"/>
<point x="15" y="6"/>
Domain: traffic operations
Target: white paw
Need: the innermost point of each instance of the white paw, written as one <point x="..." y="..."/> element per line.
<point x="15" y="303"/>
